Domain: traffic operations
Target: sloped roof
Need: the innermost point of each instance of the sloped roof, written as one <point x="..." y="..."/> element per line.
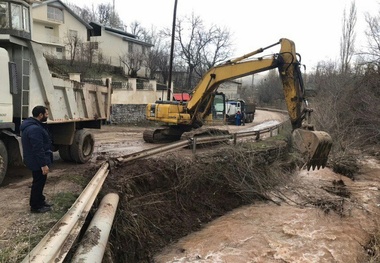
<point x="120" y="33"/>
<point x="37" y="4"/>
<point x="181" y="96"/>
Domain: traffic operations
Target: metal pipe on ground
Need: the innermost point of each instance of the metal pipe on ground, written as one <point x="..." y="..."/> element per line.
<point x="152" y="151"/>
<point x="169" y="147"/>
<point x="92" y="246"/>
<point x="78" y="226"/>
<point x="57" y="242"/>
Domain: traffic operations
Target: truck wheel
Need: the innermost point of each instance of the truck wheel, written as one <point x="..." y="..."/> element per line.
<point x="251" y="118"/>
<point x="64" y="153"/>
<point x="3" y="161"/>
<point x="83" y="146"/>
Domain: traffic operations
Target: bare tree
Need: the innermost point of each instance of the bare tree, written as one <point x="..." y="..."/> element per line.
<point x="86" y="13"/>
<point x="198" y="47"/>
<point x="372" y="55"/>
<point x="88" y="51"/>
<point x="102" y="13"/>
<point x="157" y="60"/>
<point x="192" y="40"/>
<point x="157" y="57"/>
<point x="108" y="16"/>
<point x="269" y="89"/>
<point x="133" y="61"/>
<point x="73" y="44"/>
<point x="218" y="49"/>
<point x="140" y="32"/>
<point x="347" y="41"/>
<point x="153" y="62"/>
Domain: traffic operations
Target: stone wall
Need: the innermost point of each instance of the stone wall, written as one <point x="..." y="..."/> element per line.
<point x="128" y="113"/>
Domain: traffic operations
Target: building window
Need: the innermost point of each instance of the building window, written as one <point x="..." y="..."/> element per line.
<point x="4" y="15"/>
<point x="55" y="14"/>
<point x="130" y="47"/>
<point x="16" y="16"/>
<point x="59" y="49"/>
<point x="94" y="45"/>
<point x="25" y="19"/>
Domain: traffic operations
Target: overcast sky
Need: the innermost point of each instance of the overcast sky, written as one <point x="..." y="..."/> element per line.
<point x="314" y="26"/>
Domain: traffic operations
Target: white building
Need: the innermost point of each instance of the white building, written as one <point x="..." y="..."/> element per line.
<point x="119" y="48"/>
<point x="58" y="28"/>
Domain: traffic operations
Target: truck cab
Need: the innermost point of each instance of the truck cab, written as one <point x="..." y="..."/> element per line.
<point x="235" y="105"/>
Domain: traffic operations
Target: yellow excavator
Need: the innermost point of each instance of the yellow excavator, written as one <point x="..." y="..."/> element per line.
<point x="178" y="118"/>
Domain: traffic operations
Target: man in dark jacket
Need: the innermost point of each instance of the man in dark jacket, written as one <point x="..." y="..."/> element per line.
<point x="37" y="154"/>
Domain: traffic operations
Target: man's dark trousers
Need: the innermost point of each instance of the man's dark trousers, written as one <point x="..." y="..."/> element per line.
<point x="37" y="199"/>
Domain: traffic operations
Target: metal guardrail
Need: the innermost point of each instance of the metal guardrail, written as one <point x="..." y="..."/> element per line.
<point x="193" y="142"/>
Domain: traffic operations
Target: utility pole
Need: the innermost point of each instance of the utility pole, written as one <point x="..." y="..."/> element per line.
<point x="172" y="51"/>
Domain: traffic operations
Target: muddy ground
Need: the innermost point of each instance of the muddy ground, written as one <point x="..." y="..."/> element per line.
<point x="163" y="200"/>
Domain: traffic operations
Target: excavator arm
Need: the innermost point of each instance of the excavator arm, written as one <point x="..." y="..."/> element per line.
<point x="287" y="64"/>
<point x="179" y="118"/>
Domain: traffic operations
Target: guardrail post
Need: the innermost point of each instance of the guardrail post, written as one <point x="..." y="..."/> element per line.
<point x="194" y="144"/>
<point x="257" y="136"/>
<point x="270" y="132"/>
<point x="234" y="136"/>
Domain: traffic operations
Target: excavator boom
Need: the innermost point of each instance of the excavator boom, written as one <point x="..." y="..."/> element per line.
<point x="179" y="118"/>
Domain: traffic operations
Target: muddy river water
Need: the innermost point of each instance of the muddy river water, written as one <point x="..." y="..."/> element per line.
<point x="287" y="230"/>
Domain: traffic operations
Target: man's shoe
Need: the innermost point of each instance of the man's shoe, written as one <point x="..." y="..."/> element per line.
<point x="43" y="209"/>
<point x="48" y="205"/>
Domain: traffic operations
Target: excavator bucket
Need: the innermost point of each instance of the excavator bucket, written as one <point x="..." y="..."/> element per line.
<point x="314" y="146"/>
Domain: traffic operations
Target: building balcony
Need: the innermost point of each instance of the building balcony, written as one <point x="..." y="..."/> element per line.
<point x="48" y="39"/>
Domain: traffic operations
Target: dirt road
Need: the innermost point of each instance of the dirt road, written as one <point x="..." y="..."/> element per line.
<point x="112" y="141"/>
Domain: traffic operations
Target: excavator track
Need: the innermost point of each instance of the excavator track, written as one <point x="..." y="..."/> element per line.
<point x="148" y="135"/>
<point x="169" y="134"/>
<point x="161" y="135"/>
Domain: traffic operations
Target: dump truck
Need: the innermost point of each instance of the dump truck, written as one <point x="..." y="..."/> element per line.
<point x="74" y="107"/>
<point x="246" y="108"/>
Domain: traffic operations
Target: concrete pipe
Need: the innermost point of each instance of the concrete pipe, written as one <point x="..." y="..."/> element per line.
<point x="55" y="244"/>
<point x="91" y="248"/>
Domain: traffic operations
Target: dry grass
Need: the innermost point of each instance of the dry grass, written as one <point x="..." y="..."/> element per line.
<point x="165" y="199"/>
<point x="29" y="229"/>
